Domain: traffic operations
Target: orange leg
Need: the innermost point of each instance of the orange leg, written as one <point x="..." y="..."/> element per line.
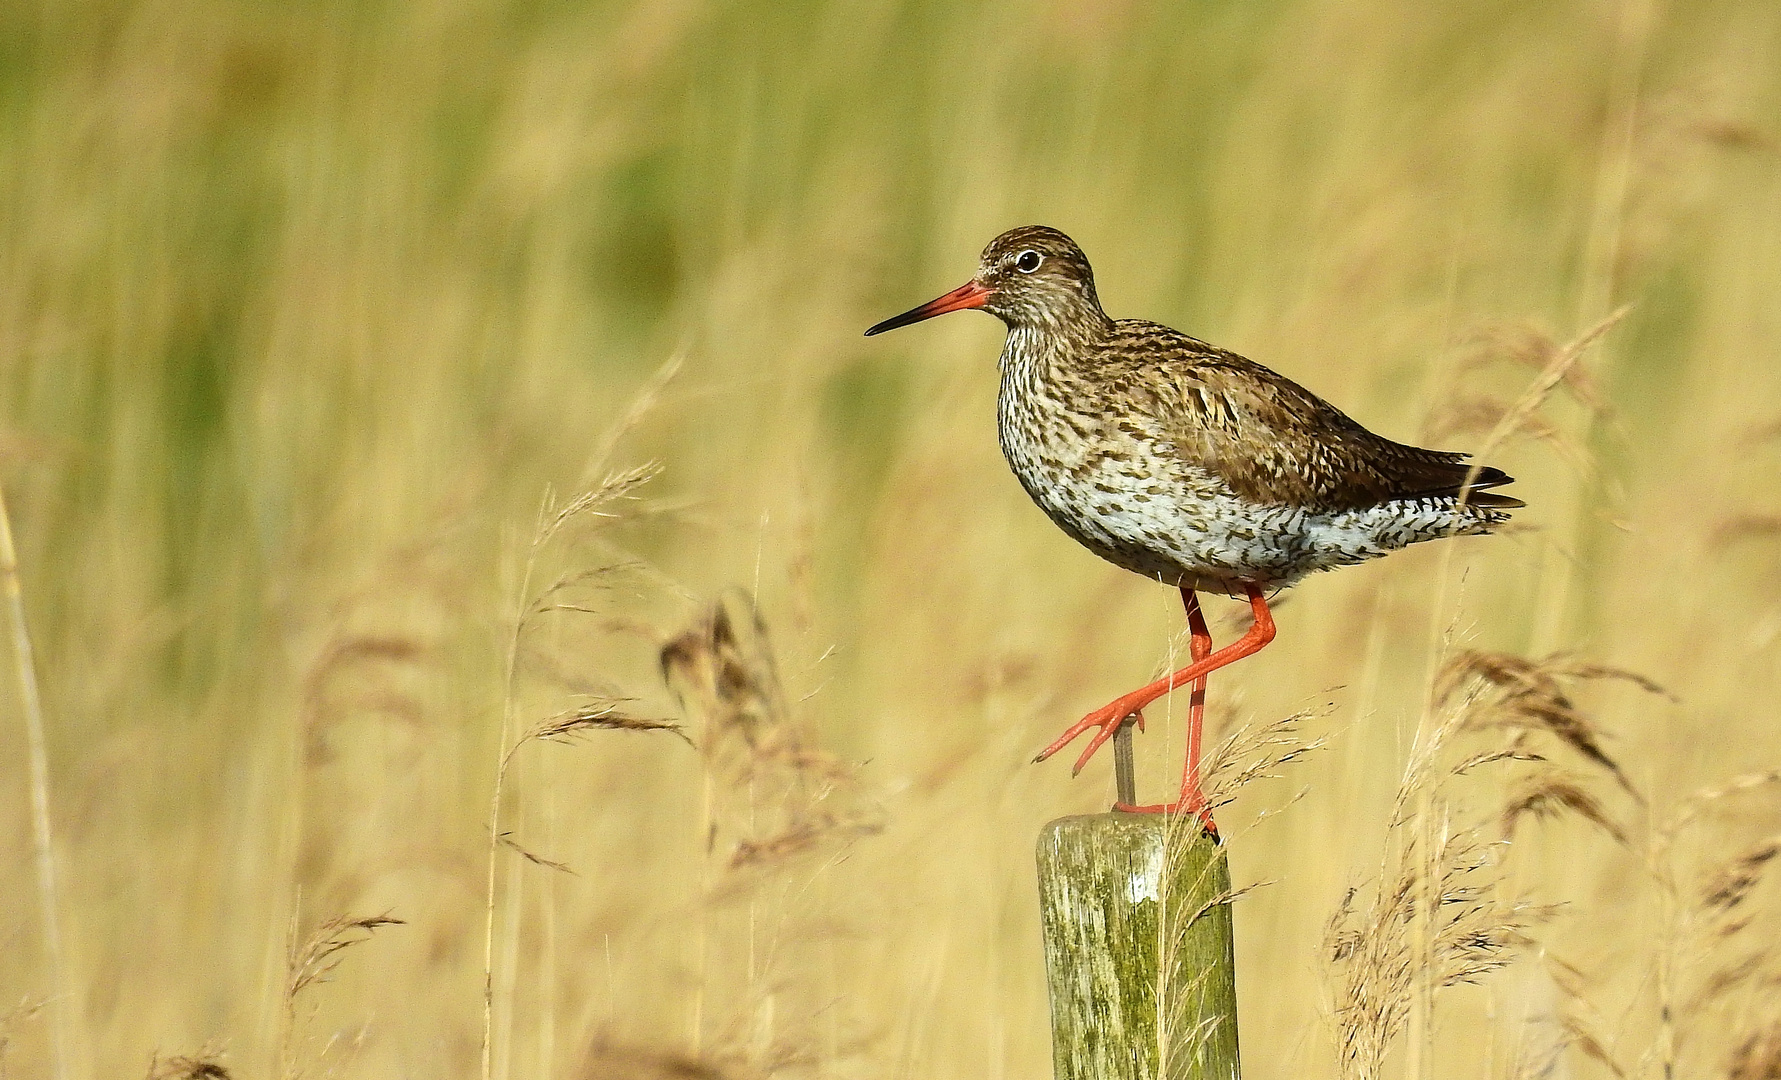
<point x="1108" y="717"/>
<point x="1193" y="798"/>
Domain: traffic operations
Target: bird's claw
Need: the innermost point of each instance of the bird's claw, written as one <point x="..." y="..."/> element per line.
<point x="1108" y="718"/>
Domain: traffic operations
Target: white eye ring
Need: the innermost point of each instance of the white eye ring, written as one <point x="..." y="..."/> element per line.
<point x="1028" y="261"/>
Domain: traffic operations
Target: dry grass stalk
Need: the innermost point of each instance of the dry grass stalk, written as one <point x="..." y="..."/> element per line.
<point x="1531" y="701"/>
<point x="573" y="724"/>
<point x="1530" y="696"/>
<point x="1223" y="899"/>
<point x="320" y="953"/>
<point x="1423" y="770"/>
<point x="1528" y="346"/>
<point x="722" y="670"/>
<point x="1703" y="802"/>
<point x="796" y="839"/>
<point x="1580" y="1023"/>
<point x="1551" y="794"/>
<point x="1715" y="959"/>
<point x="1491" y="757"/>
<point x="595" y="503"/>
<point x="507" y="841"/>
<point x="1481" y="414"/>
<point x="641" y="406"/>
<point x="312" y="960"/>
<point x="1731" y="884"/>
<point x="1728" y="978"/>
<point x="1585" y="1039"/>
<point x="1438" y="916"/>
<point x="1376" y="960"/>
<point x="598" y="577"/>
<point x="347" y="654"/>
<point x="1478" y="415"/>
<point x="782" y="797"/>
<point x="1559" y="367"/>
<point x="570" y="726"/>
<point x="49" y="906"/>
<point x="775" y="806"/>
<point x="1249" y="754"/>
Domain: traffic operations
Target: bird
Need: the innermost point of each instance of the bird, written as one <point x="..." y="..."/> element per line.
<point x="1191" y="465"/>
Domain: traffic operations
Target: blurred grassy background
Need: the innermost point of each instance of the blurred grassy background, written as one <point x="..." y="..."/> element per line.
<point x="305" y="307"/>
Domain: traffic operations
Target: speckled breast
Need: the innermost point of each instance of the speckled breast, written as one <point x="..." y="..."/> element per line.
<point x="1119" y="490"/>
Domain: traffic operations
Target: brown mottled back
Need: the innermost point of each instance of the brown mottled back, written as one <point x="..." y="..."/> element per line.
<point x="1270" y="439"/>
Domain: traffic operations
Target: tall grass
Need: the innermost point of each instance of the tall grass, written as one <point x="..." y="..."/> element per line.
<point x="304" y="309"/>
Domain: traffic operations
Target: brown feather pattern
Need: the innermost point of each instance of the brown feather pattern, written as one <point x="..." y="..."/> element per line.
<point x="1270" y="439"/>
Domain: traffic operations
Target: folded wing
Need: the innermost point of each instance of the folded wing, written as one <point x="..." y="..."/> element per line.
<point x="1273" y="441"/>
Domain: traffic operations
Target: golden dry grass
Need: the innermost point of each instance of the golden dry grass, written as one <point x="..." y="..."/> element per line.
<point x="306" y="310"/>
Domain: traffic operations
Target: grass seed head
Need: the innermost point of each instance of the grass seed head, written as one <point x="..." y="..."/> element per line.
<point x="204" y="1065"/>
<point x="320" y="953"/>
<point x="1758" y="1057"/>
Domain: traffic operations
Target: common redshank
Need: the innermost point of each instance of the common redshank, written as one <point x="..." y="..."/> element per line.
<point x="1191" y="465"/>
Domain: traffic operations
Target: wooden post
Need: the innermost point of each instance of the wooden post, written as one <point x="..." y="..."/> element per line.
<point x="1138" y="949"/>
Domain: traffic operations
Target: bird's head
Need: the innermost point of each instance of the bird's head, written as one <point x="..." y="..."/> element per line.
<point x="1033" y="276"/>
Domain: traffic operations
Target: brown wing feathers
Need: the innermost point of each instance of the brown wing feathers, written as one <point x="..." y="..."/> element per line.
<point x="1272" y="440"/>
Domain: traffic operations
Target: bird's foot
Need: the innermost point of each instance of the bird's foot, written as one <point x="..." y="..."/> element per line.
<point x="1194" y="806"/>
<point x="1108" y="718"/>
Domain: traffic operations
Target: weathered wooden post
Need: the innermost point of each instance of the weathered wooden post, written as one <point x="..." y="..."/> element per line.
<point x="1138" y="945"/>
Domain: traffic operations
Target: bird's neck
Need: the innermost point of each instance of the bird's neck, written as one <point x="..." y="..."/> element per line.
<point x="1037" y="350"/>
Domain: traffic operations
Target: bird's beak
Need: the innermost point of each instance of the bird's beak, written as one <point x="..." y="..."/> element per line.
<point x="968" y="295"/>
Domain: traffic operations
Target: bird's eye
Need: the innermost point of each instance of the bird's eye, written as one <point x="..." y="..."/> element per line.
<point x="1028" y="261"/>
